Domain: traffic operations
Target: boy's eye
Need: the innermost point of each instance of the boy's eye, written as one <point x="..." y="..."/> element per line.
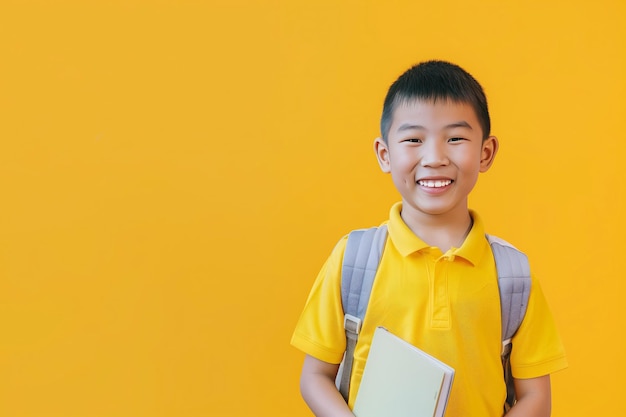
<point x="413" y="140"/>
<point x="456" y="139"/>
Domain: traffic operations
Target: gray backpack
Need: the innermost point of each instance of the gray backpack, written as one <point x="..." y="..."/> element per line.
<point x="362" y="256"/>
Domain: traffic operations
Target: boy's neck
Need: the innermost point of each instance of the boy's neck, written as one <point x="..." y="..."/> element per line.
<point x="443" y="231"/>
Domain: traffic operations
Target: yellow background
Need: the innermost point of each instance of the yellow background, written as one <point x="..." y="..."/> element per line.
<point x="173" y="174"/>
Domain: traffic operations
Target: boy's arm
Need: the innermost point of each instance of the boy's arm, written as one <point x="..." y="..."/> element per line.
<point x="533" y="398"/>
<point x="317" y="384"/>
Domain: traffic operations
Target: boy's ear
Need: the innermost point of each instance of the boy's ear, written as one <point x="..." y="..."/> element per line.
<point x="488" y="153"/>
<point x="382" y="154"/>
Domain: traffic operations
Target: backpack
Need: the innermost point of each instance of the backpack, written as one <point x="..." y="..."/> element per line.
<point x="364" y="249"/>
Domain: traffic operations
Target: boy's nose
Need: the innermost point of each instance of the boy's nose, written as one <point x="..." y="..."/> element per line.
<point x="433" y="155"/>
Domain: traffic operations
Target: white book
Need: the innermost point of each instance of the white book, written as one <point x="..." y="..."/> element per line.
<point x="401" y="380"/>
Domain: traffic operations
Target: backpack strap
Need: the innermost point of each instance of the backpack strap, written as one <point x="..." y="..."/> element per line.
<point x="363" y="251"/>
<point x="514" y="284"/>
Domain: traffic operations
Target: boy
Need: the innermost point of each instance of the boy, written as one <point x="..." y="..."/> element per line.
<point x="436" y="284"/>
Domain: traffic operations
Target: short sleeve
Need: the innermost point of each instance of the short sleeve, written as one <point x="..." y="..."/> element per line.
<point x="319" y="331"/>
<point x="537" y="347"/>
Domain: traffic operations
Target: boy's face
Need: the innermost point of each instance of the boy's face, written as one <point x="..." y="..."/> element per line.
<point x="434" y="152"/>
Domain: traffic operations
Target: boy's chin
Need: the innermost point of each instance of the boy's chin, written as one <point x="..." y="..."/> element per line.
<point x="432" y="210"/>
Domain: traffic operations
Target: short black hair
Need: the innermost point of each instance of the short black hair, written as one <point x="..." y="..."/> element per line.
<point x="432" y="81"/>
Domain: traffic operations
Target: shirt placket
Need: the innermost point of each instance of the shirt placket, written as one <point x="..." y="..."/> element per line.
<point x="440" y="299"/>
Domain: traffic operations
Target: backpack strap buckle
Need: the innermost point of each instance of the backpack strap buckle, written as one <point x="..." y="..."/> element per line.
<point x="506" y="347"/>
<point x="352" y="324"/>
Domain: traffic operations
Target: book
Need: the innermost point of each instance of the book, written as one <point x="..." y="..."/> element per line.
<point x="401" y="380"/>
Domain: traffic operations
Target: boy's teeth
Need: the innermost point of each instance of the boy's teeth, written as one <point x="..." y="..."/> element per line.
<point x="435" y="183"/>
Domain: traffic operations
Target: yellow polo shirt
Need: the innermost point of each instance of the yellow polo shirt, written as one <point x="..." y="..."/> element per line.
<point x="447" y="304"/>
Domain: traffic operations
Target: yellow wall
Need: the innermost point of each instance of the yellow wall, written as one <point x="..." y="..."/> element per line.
<point x="173" y="174"/>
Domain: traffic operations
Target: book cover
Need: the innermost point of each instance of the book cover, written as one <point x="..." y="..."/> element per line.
<point x="401" y="380"/>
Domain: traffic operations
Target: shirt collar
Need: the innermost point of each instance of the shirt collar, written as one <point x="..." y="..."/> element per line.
<point x="407" y="242"/>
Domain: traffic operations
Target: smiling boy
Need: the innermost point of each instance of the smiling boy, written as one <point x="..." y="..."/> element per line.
<point x="436" y="285"/>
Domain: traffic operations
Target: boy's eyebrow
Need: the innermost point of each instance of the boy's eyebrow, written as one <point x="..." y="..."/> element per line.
<point x="409" y="126"/>
<point x="461" y="123"/>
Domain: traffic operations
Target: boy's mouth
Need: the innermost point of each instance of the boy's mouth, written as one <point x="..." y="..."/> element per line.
<point x="434" y="183"/>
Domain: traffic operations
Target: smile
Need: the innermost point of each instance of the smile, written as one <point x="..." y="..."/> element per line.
<point x="434" y="183"/>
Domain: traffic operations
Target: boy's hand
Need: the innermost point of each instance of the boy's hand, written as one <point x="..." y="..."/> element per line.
<point x="533" y="398"/>
<point x="317" y="384"/>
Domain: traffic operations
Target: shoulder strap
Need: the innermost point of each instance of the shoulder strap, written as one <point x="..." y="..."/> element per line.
<point x="362" y="255"/>
<point x="514" y="284"/>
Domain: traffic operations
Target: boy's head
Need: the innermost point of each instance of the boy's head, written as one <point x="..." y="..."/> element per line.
<point x="436" y="141"/>
<point x="436" y="81"/>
